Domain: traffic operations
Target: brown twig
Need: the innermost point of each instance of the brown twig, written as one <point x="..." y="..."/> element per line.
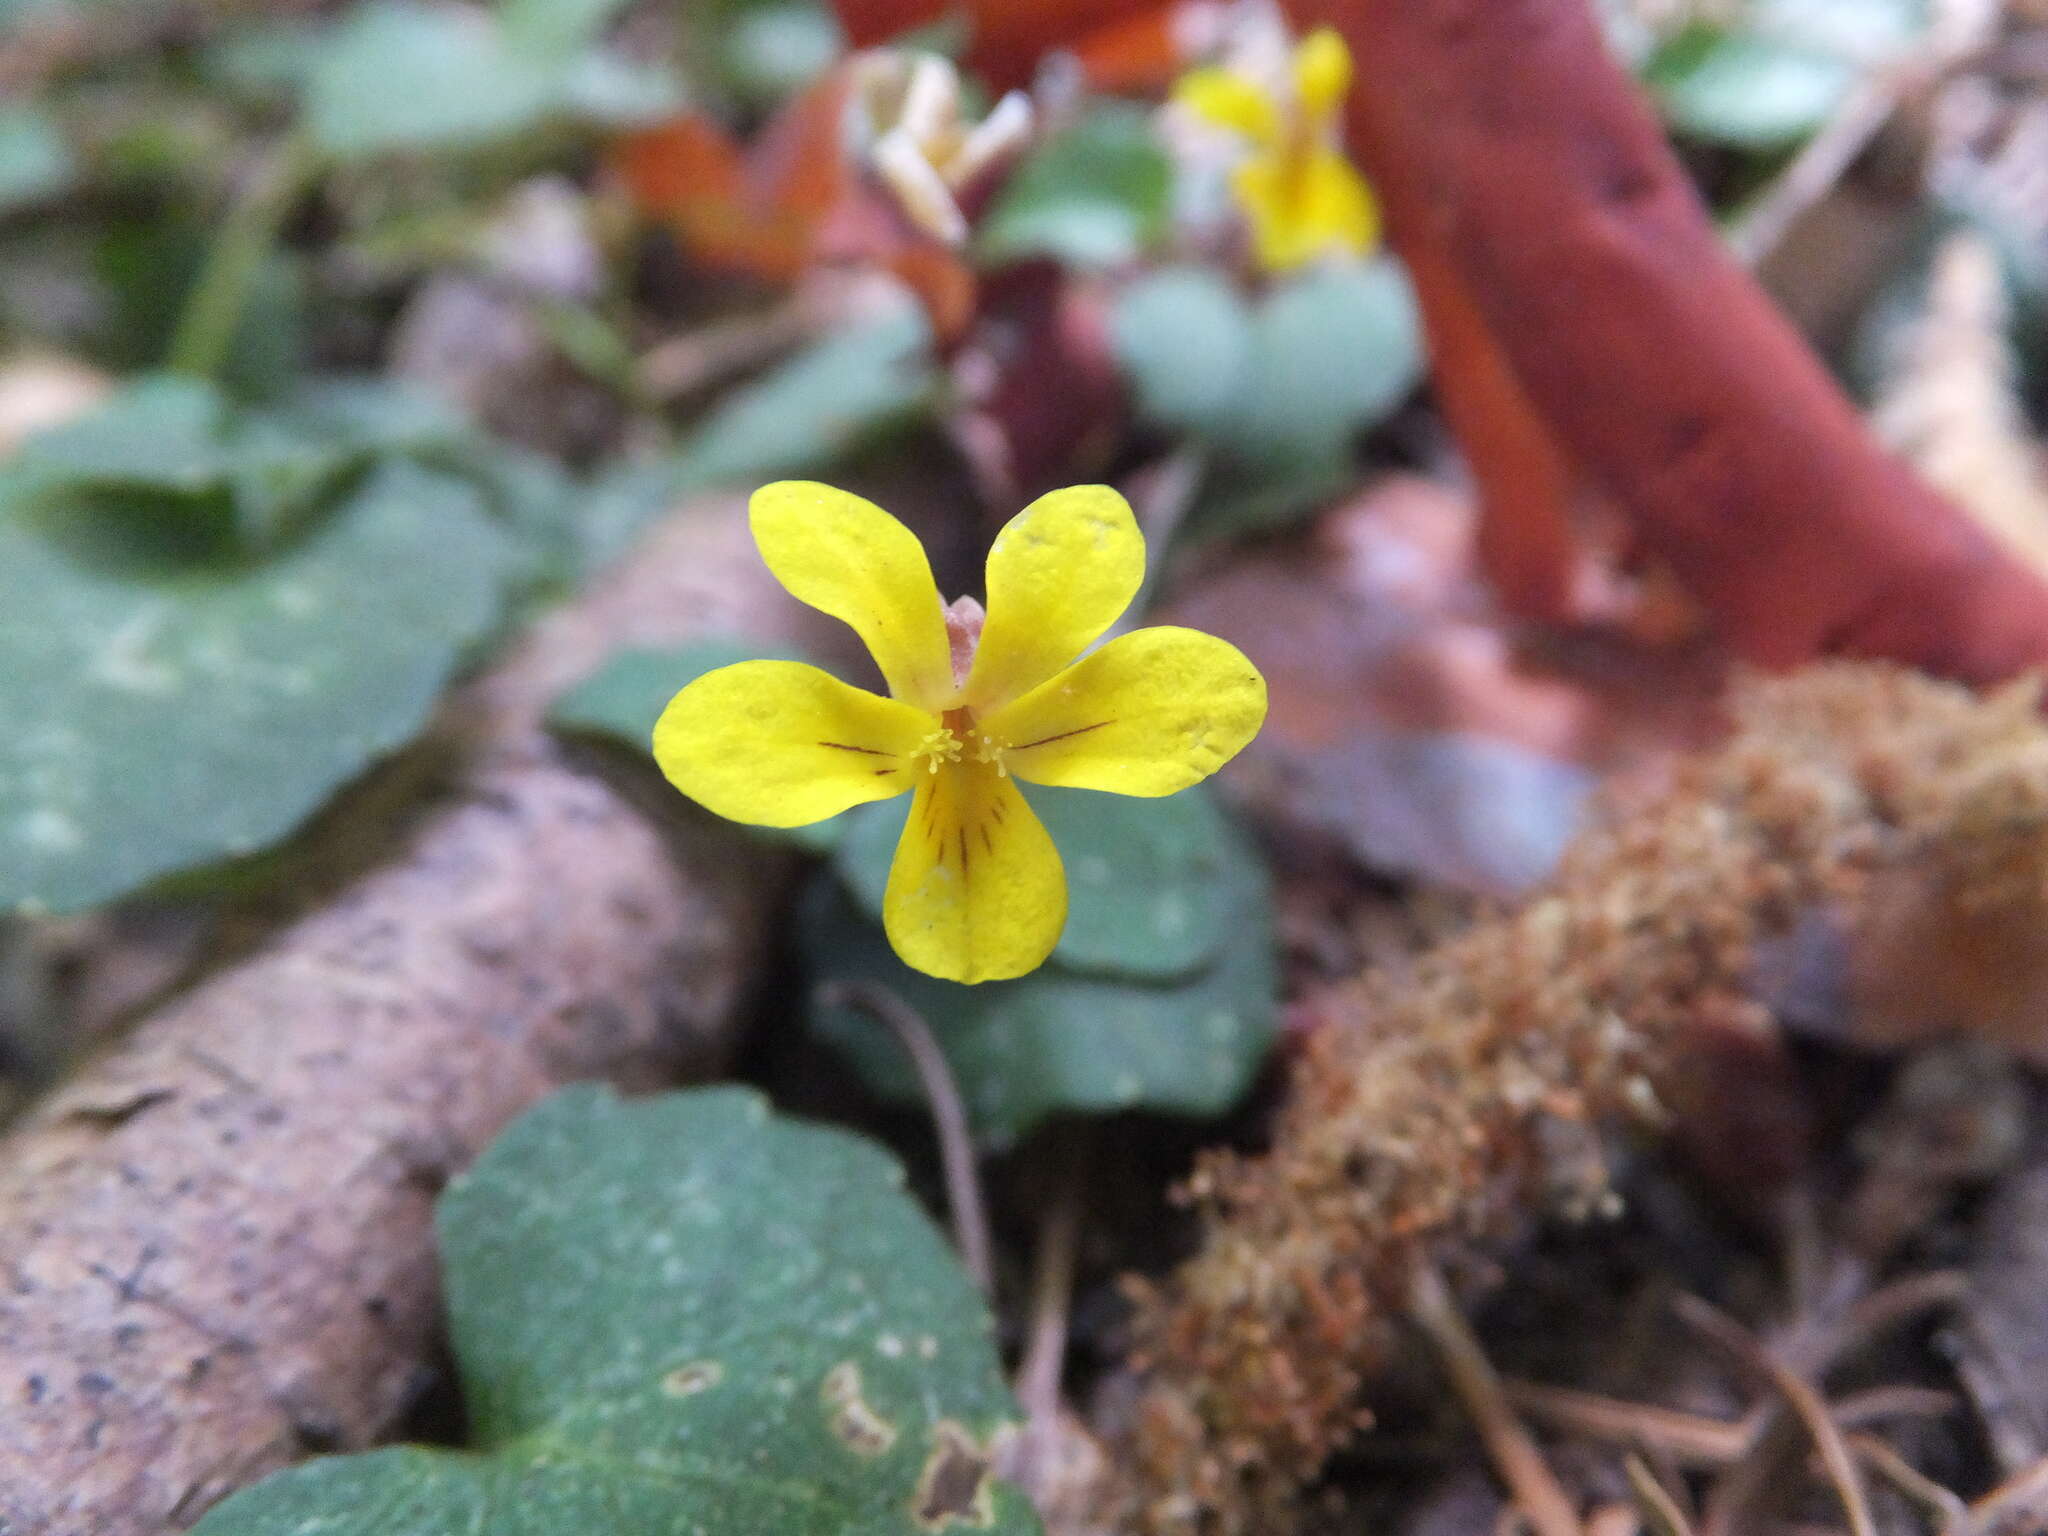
<point x="1658" y="1506"/>
<point x="1819" y="164"/>
<point x="1949" y="1511"/>
<point x="1691" y="1438"/>
<point x="1543" y="1503"/>
<point x="1800" y="1396"/>
<point x="949" y="1116"/>
<point x="1893" y="1306"/>
<point x="1856" y="120"/>
<point x="683" y="365"/>
<point x="2027" y="1492"/>
<point x="1879" y="1404"/>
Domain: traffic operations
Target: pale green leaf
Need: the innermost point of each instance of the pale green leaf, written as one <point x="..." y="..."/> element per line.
<point x="555" y="27"/>
<point x="163" y="713"/>
<point x="1740" y="88"/>
<point x="1333" y="351"/>
<point x="35" y="162"/>
<point x="1185" y="338"/>
<point x="398" y="76"/>
<point x="1095" y="194"/>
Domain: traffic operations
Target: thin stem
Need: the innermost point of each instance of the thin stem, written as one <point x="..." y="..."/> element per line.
<point x="1875" y="1405"/>
<point x="213" y="309"/>
<point x="695" y="360"/>
<point x="1902" y="1302"/>
<point x="1052" y="1289"/>
<point x="1949" y="1512"/>
<point x="1659" y="1508"/>
<point x="2025" y="1491"/>
<point x="1162" y="494"/>
<point x="1692" y="1439"/>
<point x="949" y="1117"/>
<point x="1799" y="1396"/>
<point x="1543" y="1502"/>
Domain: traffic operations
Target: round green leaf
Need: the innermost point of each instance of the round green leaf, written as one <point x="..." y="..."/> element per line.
<point x="179" y="450"/>
<point x="1093" y="195"/>
<point x="1184" y="337"/>
<point x="1056" y="1041"/>
<point x="162" y="715"/>
<point x="1747" y="90"/>
<point x="552" y="27"/>
<point x="683" y="1316"/>
<point x="1332" y="353"/>
<point x="162" y="433"/>
<point x="35" y="162"/>
<point x="1143" y="898"/>
<point x="402" y="76"/>
<point x="770" y="48"/>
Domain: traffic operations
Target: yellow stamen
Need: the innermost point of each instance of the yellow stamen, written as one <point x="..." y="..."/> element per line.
<point x="988" y="750"/>
<point x="941" y="746"/>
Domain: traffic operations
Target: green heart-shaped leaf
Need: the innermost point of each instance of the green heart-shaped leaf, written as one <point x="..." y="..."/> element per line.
<point x="684" y="1316"/>
<point x="1095" y="194"/>
<point x="1185" y="337"/>
<point x="167" y="713"/>
<point x="35" y="161"/>
<point x="176" y="449"/>
<point x="1279" y="391"/>
<point x="1143" y="892"/>
<point x="818" y="405"/>
<point x="1333" y="351"/>
<point x="398" y="76"/>
<point x="1057" y="1041"/>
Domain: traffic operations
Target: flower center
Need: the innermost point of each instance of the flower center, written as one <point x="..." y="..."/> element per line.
<point x="941" y="746"/>
<point x="956" y="736"/>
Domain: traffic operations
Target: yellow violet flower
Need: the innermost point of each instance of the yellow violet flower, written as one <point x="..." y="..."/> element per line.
<point x="977" y="891"/>
<point x="1302" y="198"/>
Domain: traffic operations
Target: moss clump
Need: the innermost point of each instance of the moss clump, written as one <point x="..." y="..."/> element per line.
<point x="1440" y="1105"/>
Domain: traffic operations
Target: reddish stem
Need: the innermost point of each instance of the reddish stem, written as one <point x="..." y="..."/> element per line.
<point x="1525" y="543"/>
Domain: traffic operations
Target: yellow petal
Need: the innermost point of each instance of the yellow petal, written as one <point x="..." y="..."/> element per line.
<point x="1299" y="210"/>
<point x="1059" y="574"/>
<point x="976" y="892"/>
<point x="1150" y="713"/>
<point x="1230" y="100"/>
<point x="1322" y="74"/>
<point x="849" y="558"/>
<point x="780" y="744"/>
<point x="1337" y="206"/>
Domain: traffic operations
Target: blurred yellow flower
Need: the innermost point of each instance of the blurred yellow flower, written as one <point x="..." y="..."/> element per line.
<point x="977" y="891"/>
<point x="1302" y="198"/>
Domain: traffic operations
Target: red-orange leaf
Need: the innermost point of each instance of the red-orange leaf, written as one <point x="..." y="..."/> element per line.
<point x="1122" y="44"/>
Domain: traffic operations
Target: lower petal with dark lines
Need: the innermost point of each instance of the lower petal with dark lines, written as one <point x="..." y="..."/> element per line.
<point x="976" y="892"/>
